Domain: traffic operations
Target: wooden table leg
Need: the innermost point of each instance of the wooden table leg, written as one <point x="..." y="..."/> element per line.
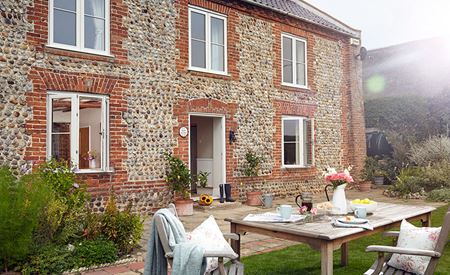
<point x="236" y="244"/>
<point x="427" y="222"/>
<point x="326" y="258"/>
<point x="344" y="254"/>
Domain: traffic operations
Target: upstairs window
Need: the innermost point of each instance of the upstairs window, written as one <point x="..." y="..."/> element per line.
<point x="207" y="41"/>
<point x="294" y="71"/>
<point x="298" y="139"/>
<point x="77" y="130"/>
<point x="81" y="25"/>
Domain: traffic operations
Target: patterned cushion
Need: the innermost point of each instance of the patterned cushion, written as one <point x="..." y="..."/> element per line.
<point x="208" y="235"/>
<point x="418" y="238"/>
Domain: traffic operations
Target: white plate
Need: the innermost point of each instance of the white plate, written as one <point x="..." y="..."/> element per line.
<point x="353" y="221"/>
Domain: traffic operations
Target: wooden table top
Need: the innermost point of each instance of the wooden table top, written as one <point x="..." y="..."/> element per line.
<point x="386" y="213"/>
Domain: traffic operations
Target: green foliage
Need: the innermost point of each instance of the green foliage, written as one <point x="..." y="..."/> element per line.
<point x="123" y="228"/>
<point x="178" y="175"/>
<point x="95" y="252"/>
<point x="433" y="150"/>
<point x="202" y="178"/>
<point x="21" y="202"/>
<point x="67" y="204"/>
<point x="252" y="165"/>
<point x="436" y="176"/>
<point x="370" y="166"/>
<point x="441" y="195"/>
<point x="409" y="181"/>
<point x="55" y="259"/>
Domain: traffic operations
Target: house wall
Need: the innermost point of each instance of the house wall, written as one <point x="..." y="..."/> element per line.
<point x="152" y="92"/>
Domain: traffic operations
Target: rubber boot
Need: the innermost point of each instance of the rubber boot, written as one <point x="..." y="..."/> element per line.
<point x="228" y="197"/>
<point x="221" y="193"/>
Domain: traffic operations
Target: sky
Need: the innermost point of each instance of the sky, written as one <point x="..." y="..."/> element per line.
<point x="390" y="22"/>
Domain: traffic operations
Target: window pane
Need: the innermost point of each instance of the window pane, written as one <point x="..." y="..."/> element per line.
<point x="198" y="26"/>
<point x="308" y="142"/>
<point x="64" y="27"/>
<point x="94" y="33"/>
<point x="217" y="35"/>
<point x="95" y="8"/>
<point x="291" y="130"/>
<point x="290" y="154"/>
<point x="90" y="139"/>
<point x="198" y="54"/>
<point x="287" y="72"/>
<point x="287" y="48"/>
<point x="217" y="58"/>
<point x="301" y="74"/>
<point x="300" y="51"/>
<point x="60" y="136"/>
<point x="65" y="4"/>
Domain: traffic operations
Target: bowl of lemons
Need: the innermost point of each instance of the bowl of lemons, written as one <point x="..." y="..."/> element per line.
<point x="370" y="205"/>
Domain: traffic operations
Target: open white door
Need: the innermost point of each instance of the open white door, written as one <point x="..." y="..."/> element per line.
<point x="218" y="153"/>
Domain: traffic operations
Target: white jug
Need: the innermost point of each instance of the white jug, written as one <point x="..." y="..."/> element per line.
<point x="339" y="200"/>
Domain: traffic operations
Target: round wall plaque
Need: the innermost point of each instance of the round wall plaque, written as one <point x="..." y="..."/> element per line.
<point x="183" y="132"/>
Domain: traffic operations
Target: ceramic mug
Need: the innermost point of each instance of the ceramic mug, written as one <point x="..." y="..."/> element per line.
<point x="285" y="211"/>
<point x="361" y="212"/>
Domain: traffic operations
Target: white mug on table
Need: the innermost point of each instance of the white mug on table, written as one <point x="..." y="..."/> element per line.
<point x="285" y="211"/>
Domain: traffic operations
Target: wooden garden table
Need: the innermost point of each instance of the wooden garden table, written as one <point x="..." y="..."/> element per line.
<point x="325" y="238"/>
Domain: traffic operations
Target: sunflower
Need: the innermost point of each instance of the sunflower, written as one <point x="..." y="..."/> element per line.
<point x="203" y="197"/>
<point x="208" y="200"/>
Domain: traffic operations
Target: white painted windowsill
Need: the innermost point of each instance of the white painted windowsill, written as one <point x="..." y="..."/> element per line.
<point x="77" y="50"/>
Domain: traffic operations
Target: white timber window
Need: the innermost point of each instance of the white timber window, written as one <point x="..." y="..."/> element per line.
<point x="298" y="142"/>
<point x="78" y="130"/>
<point x="79" y="25"/>
<point x="207" y="41"/>
<point x="294" y="69"/>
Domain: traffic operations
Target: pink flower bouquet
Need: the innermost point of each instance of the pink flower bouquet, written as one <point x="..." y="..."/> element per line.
<point x="338" y="178"/>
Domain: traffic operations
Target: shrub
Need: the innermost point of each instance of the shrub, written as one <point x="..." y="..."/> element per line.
<point x="409" y="181"/>
<point x="252" y="165"/>
<point x="370" y="165"/>
<point x="67" y="204"/>
<point x="436" y="176"/>
<point x="430" y="152"/>
<point x="95" y="252"/>
<point x="178" y="176"/>
<point x="21" y="202"/>
<point x="123" y="228"/>
<point x="442" y="195"/>
<point x="55" y="259"/>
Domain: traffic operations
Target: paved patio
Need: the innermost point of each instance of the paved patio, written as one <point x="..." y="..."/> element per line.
<point x="251" y="244"/>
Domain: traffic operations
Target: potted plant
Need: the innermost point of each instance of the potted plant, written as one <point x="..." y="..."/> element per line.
<point x="90" y="156"/>
<point x="251" y="169"/>
<point x="202" y="181"/>
<point x="179" y="180"/>
<point x="378" y="176"/>
<point x="367" y="174"/>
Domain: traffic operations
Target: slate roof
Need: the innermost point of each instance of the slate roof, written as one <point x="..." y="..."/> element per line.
<point x="306" y="12"/>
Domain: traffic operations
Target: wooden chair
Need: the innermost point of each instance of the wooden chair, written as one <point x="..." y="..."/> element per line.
<point x="235" y="268"/>
<point x="380" y="264"/>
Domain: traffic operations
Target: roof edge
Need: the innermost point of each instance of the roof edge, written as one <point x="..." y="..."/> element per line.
<point x="349" y="30"/>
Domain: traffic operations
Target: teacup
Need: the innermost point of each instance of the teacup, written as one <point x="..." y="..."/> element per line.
<point x="285" y="211"/>
<point x="360" y="212"/>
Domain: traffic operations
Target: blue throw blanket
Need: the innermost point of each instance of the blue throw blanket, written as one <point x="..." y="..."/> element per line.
<point x="188" y="257"/>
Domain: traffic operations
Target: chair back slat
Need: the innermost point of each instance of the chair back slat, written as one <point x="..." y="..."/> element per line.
<point x="442" y="241"/>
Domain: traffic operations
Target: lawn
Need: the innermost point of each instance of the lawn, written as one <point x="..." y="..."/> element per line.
<point x="301" y="259"/>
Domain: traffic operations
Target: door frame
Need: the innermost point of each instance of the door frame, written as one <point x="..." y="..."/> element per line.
<point x="224" y="156"/>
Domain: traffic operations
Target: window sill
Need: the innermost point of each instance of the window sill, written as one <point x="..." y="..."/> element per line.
<point x="295" y="167"/>
<point x="52" y="47"/>
<point x="94" y="171"/>
<point x="304" y="87"/>
<point x="200" y="70"/>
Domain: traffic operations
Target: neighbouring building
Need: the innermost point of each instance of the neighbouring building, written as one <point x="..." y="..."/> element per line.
<point x="124" y="81"/>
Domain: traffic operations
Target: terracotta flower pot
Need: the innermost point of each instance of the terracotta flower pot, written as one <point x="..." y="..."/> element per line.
<point x="185" y="207"/>
<point x="365" y="186"/>
<point x="254" y="198"/>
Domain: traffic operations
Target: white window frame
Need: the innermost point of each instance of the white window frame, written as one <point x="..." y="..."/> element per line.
<point x="302" y="161"/>
<point x="208" y="14"/>
<point x="294" y="61"/>
<point x="80" y="30"/>
<point x="75" y="128"/>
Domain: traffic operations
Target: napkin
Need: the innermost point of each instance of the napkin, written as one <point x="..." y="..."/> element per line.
<point x="366" y="225"/>
<point x="272" y="217"/>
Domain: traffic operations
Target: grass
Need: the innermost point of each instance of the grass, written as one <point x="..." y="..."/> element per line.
<point x="301" y="259"/>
